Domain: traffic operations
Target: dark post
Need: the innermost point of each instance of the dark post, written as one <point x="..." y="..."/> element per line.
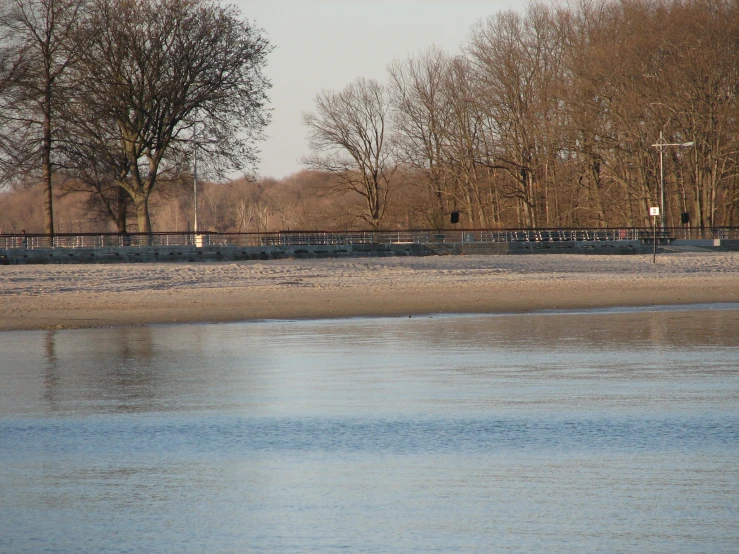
<point x="654" y="212"/>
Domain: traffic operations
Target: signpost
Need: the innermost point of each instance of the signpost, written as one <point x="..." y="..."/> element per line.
<point x="654" y="212"/>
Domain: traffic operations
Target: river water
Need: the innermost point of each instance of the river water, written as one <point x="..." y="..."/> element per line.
<point x="612" y="431"/>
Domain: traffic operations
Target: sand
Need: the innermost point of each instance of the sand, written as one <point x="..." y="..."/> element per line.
<point x="79" y="296"/>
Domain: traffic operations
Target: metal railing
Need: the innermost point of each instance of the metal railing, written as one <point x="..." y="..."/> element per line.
<point x="318" y="238"/>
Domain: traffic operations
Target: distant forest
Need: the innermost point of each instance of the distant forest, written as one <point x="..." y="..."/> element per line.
<point x="547" y="118"/>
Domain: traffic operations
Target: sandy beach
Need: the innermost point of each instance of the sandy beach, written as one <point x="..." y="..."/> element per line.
<point x="79" y="296"/>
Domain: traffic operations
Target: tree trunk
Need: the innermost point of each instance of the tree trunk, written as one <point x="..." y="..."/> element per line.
<point x="141" y="201"/>
<point x="120" y="221"/>
<point x="46" y="165"/>
<point x="373" y="202"/>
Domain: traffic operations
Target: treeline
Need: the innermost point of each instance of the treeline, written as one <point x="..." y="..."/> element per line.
<point x="547" y="118"/>
<point x="550" y="118"/>
<point x="304" y="201"/>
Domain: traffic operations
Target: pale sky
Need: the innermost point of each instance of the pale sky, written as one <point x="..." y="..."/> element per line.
<point x="327" y="44"/>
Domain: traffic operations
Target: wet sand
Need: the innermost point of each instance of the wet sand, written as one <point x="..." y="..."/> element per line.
<point x="79" y="296"/>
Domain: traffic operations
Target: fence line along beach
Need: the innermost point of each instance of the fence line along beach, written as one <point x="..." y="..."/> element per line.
<point x="81" y="296"/>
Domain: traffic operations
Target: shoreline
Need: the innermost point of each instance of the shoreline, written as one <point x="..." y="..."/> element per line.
<point x="59" y="297"/>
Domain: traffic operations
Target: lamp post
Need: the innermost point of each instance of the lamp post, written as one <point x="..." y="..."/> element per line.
<point x="661" y="145"/>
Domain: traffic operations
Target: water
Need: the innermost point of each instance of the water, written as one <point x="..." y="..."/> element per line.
<point x="589" y="432"/>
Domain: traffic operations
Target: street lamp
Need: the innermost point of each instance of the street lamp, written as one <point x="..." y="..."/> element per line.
<point x="661" y="145"/>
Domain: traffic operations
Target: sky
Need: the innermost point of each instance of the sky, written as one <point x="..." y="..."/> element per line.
<point x="327" y="44"/>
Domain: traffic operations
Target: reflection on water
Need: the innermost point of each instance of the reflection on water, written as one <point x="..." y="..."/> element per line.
<point x="553" y="432"/>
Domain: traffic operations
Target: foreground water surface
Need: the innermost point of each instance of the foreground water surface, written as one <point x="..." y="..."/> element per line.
<point x="572" y="432"/>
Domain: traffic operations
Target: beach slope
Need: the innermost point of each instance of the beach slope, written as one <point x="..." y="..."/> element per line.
<point x="78" y="296"/>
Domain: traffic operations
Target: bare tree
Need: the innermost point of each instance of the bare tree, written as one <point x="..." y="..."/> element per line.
<point x="469" y="154"/>
<point x="13" y="68"/>
<point x="157" y="72"/>
<point x="104" y="199"/>
<point x="701" y="106"/>
<point x="41" y="31"/>
<point x="641" y="69"/>
<point x="421" y="117"/>
<point x="349" y="133"/>
<point x="519" y="67"/>
<point x="91" y="157"/>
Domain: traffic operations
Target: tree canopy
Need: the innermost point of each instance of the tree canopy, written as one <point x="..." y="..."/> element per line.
<point x="145" y="82"/>
<point x="550" y="117"/>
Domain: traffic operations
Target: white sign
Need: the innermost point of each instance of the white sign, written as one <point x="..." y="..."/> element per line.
<point x="654" y="211"/>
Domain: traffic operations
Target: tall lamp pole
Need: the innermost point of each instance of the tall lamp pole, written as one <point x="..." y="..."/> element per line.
<point x="661" y="145"/>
